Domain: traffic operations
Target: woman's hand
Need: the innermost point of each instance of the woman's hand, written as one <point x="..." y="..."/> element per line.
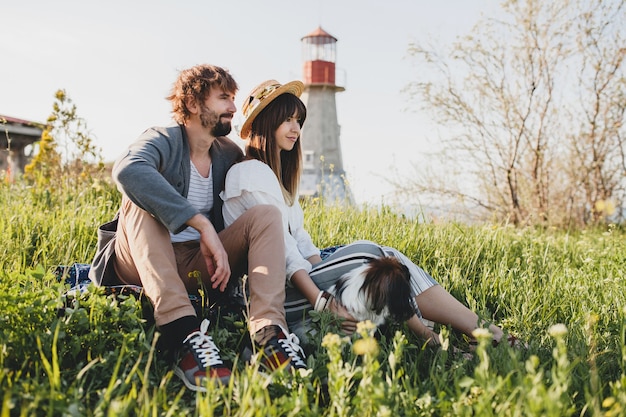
<point x="322" y="300"/>
<point x="348" y="322"/>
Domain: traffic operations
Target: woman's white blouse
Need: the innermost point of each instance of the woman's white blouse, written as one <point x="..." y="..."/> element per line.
<point x="252" y="182"/>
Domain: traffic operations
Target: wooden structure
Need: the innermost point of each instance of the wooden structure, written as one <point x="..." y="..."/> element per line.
<point x="17" y="139"/>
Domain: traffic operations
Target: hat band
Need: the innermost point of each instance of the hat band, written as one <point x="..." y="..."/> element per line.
<point x="254" y="101"/>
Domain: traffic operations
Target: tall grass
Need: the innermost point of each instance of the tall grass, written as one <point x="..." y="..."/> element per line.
<point x="562" y="292"/>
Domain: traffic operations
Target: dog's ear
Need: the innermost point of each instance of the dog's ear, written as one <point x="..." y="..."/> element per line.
<point x="400" y="305"/>
<point x="387" y="283"/>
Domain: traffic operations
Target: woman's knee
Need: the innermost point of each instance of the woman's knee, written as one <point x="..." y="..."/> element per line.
<point x="265" y="213"/>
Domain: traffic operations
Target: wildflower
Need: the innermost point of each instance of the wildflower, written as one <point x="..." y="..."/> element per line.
<point x="609" y="208"/>
<point x="599" y="206"/>
<point x="97" y="186"/>
<point x="605" y="207"/>
<point x="532" y="363"/>
<point x="365" y="328"/>
<point x="593" y="319"/>
<point x="194" y="275"/>
<point x="367" y="346"/>
<point x="481" y="333"/>
<point x="608" y="402"/>
<point x="331" y="340"/>
<point x="558" y="330"/>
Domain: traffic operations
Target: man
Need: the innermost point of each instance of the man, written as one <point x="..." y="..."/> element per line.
<point x="169" y="235"/>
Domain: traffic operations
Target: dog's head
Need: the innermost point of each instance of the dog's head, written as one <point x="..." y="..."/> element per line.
<point x="382" y="285"/>
<point x="386" y="284"/>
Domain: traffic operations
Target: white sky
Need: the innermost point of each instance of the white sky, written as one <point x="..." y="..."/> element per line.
<point x="117" y="59"/>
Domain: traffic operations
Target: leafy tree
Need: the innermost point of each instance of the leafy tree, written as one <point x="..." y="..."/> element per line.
<point x="534" y="105"/>
<point x="66" y="153"/>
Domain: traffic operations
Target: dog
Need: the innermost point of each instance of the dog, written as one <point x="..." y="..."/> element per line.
<point x="377" y="291"/>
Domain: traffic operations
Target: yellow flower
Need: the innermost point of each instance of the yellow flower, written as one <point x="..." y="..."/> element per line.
<point x="608" y="402"/>
<point x="605" y="207"/>
<point x="365" y="328"/>
<point x="368" y="346"/>
<point x="331" y="339"/>
<point x="599" y="206"/>
<point x="609" y="208"/>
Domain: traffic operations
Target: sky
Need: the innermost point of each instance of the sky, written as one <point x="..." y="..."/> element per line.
<point x="117" y="60"/>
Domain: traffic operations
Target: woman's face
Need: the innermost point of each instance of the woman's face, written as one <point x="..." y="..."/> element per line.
<point x="288" y="133"/>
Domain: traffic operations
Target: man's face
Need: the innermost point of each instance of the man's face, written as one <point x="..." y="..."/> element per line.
<point x="216" y="113"/>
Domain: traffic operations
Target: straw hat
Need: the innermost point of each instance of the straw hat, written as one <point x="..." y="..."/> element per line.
<point x="261" y="96"/>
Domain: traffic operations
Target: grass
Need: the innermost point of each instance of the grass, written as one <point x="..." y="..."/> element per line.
<point x="561" y="291"/>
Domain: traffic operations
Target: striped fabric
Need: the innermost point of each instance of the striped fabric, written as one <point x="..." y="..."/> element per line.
<point x="338" y="260"/>
<point x="201" y="197"/>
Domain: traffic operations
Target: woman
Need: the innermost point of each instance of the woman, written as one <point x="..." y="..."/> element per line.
<point x="270" y="174"/>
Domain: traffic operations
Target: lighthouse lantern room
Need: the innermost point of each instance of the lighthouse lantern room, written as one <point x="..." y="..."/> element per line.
<point x="319" y="52"/>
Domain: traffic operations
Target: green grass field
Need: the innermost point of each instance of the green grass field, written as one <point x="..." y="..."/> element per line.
<point x="563" y="292"/>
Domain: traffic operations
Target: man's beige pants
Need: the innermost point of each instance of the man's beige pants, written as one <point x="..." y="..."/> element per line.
<point x="167" y="271"/>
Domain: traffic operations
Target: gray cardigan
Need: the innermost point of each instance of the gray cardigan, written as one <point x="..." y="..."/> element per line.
<point x="154" y="174"/>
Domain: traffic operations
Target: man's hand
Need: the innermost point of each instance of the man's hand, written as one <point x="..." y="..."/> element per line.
<point x="213" y="251"/>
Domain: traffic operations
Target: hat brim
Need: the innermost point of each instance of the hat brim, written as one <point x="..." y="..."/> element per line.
<point x="294" y="87"/>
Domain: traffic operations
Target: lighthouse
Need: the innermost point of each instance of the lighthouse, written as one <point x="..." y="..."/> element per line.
<point x="323" y="174"/>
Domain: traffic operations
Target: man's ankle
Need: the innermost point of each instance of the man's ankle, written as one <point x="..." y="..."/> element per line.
<point x="174" y="333"/>
<point x="262" y="336"/>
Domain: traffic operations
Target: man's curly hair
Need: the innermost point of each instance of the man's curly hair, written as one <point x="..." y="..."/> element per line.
<point x="195" y="83"/>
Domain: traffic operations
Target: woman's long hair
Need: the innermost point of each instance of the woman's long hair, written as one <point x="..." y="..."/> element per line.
<point x="262" y="145"/>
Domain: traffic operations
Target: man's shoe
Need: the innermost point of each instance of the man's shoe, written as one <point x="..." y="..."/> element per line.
<point x="200" y="359"/>
<point x="281" y="351"/>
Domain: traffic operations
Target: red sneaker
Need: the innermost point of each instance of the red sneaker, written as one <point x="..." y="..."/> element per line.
<point x="200" y="359"/>
<point x="280" y="351"/>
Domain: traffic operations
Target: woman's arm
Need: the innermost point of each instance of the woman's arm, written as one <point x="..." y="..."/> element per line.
<point x="314" y="260"/>
<point x="422" y="331"/>
<point x="303" y="282"/>
<point x="302" y="237"/>
<point x="251" y="183"/>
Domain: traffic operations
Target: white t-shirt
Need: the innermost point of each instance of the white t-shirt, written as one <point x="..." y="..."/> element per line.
<point x="201" y="197"/>
<point x="252" y="182"/>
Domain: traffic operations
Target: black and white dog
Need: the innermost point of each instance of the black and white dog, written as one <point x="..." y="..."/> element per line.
<point x="377" y="291"/>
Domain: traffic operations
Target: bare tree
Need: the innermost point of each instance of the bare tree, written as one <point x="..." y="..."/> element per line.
<point x="534" y="104"/>
<point x="597" y="149"/>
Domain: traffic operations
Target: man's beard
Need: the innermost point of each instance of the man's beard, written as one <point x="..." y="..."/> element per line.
<point x="221" y="129"/>
<point x="210" y="119"/>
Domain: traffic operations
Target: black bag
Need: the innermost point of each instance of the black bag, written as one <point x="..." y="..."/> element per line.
<point x="102" y="271"/>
